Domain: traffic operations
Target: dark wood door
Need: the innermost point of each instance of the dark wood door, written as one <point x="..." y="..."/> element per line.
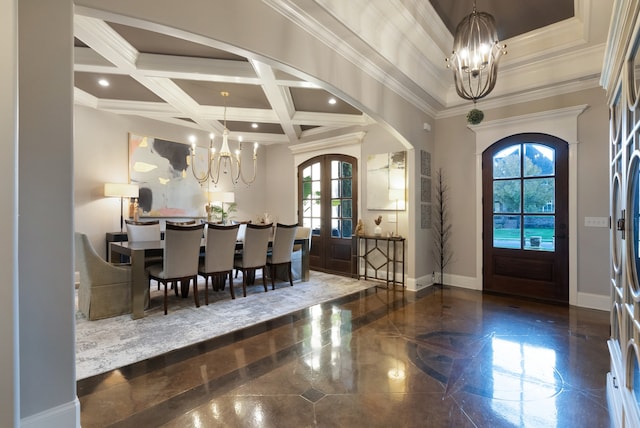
<point x="327" y="203"/>
<point x="525" y="217"/>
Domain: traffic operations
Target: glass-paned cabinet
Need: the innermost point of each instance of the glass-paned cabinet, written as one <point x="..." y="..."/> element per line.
<point x="621" y="79"/>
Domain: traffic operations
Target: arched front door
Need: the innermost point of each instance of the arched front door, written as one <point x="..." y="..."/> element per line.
<point x="525" y="217"/>
<point x="327" y="202"/>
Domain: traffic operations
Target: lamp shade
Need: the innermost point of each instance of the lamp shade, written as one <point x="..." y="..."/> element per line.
<point x="121" y="190"/>
<point x="227" y="197"/>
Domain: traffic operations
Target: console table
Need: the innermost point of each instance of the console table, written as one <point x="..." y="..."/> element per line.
<point x="380" y="258"/>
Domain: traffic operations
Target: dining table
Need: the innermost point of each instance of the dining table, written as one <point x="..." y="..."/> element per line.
<point x="137" y="252"/>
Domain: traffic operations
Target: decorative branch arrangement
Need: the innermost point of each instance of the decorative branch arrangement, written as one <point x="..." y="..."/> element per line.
<point x="441" y="225"/>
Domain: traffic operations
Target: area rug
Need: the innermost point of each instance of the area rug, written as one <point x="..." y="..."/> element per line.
<point x="104" y="345"/>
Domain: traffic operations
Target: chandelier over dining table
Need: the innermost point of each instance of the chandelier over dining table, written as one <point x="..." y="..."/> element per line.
<point x="223" y="161"/>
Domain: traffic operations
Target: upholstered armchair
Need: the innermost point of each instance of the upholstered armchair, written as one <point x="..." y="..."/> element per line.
<point x="105" y="289"/>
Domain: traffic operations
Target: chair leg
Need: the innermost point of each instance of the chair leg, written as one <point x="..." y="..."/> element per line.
<point x="196" y="299"/>
<point x="206" y="289"/>
<point x="264" y="278"/>
<point x="244" y="282"/>
<point x="165" y="298"/>
<point x="233" y="296"/>
<point x="290" y="274"/>
<point x="273" y="276"/>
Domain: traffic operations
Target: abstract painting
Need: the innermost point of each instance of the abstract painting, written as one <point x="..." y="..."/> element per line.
<point x="162" y="170"/>
<point x="385" y="171"/>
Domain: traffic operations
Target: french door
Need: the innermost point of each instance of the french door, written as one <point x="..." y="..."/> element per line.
<point x="327" y="203"/>
<point x="525" y="217"/>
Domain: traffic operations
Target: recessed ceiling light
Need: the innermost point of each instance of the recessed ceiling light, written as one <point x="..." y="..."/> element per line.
<point x="254" y="125"/>
<point x="103" y="82"/>
<point x="332" y="101"/>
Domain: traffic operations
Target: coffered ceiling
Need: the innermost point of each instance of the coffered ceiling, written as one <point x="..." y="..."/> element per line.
<point x="171" y="79"/>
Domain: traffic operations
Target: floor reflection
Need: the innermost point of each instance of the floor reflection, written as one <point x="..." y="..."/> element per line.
<point x="521" y="375"/>
<point x="440" y="359"/>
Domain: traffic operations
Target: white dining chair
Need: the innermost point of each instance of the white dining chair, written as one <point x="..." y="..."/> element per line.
<point x="141" y="231"/>
<point x="281" y="251"/>
<point x="254" y="253"/>
<point x="296" y="256"/>
<point x="180" y="261"/>
<point x="217" y="263"/>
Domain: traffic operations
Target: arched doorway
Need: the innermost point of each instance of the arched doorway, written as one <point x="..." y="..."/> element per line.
<point x="525" y="217"/>
<point x="328" y="204"/>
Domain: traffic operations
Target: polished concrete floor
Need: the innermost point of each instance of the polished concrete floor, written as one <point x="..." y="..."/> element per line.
<point x="439" y="358"/>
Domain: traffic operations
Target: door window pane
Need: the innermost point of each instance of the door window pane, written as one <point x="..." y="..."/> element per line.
<point x="524" y="183"/>
<point x="506" y="231"/>
<point x="506" y="196"/>
<point x="346" y="188"/>
<point x="335" y="208"/>
<point x="539" y="195"/>
<point x="315" y="226"/>
<point x="539" y="160"/>
<point x="634" y="217"/>
<point x="335" y="169"/>
<point x="346" y="208"/>
<point x="315" y="190"/>
<point x="335" y="188"/>
<point x="315" y="171"/>
<point x="347" y="228"/>
<point x="335" y="228"/>
<point x="315" y="209"/>
<point x="347" y="170"/>
<point x="306" y="174"/>
<point x="506" y="163"/>
<point x="539" y="233"/>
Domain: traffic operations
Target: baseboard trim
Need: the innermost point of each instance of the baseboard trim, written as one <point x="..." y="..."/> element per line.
<point x="63" y="416"/>
<point x="585" y="300"/>
<point x="417" y="284"/>
<point x="594" y="301"/>
<point x="460" y="281"/>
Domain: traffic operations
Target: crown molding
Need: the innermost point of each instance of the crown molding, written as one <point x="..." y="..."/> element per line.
<point x="529" y="96"/>
<point x="328" y="143"/>
<point x="297" y="15"/>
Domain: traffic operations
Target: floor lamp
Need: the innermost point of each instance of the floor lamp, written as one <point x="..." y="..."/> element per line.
<point x="396" y="195"/>
<point x="121" y="190"/>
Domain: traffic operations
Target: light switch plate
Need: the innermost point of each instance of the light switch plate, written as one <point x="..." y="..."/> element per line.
<point x="596" y="222"/>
